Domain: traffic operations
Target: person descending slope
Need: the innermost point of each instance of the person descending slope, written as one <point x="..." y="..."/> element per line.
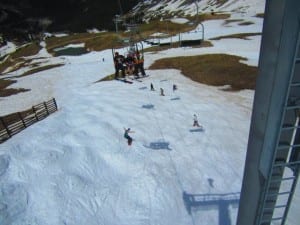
<point x="174" y="87"/>
<point x="118" y="61"/>
<point x="196" y="124"/>
<point x="126" y="135"/>
<point x="152" y="87"/>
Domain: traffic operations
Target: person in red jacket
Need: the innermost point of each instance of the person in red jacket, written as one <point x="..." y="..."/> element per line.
<point x="139" y="64"/>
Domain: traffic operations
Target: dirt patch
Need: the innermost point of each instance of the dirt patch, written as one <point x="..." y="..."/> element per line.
<point x="213" y="69"/>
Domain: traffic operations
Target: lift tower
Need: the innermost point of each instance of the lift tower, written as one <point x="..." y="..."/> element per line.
<point x="273" y="155"/>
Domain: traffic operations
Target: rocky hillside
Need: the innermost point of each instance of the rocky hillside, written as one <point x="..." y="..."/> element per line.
<point x="33" y="16"/>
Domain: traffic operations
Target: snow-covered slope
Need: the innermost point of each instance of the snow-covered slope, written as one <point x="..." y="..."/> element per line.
<point x="153" y="8"/>
<point x="75" y="167"/>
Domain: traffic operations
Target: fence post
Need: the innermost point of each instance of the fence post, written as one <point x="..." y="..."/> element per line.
<point x="35" y="113"/>
<point x="20" y="116"/>
<point x="6" y="128"/>
<point x="55" y="103"/>
<point x="46" y="108"/>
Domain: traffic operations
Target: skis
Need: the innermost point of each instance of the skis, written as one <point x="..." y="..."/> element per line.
<point x="124" y="80"/>
<point x="138" y="78"/>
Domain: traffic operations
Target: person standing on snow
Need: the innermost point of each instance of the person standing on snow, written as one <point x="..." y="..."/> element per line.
<point x="196" y="124"/>
<point x="126" y="135"/>
<point x="174" y="87"/>
<point x="152" y="87"/>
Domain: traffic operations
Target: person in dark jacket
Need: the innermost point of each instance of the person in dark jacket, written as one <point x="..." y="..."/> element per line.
<point x="126" y="135"/>
<point x="119" y="61"/>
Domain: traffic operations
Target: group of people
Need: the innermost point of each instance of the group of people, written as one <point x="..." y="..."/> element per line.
<point x="162" y="93"/>
<point x="132" y="64"/>
<point x="128" y="130"/>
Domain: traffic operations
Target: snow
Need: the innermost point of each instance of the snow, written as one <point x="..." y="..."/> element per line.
<point x="245" y="8"/>
<point x="75" y="166"/>
<point x="179" y="20"/>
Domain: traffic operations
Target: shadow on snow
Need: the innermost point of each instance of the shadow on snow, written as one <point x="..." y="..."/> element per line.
<point x="199" y="129"/>
<point x="203" y="202"/>
<point x="159" y="145"/>
<point x="148" y="106"/>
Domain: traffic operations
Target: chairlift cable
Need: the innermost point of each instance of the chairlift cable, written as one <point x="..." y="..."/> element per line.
<point x="171" y="158"/>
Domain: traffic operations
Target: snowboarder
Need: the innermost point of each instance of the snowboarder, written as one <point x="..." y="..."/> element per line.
<point x="152" y="87"/>
<point x="174" y="87"/>
<point x="118" y="61"/>
<point x="196" y="124"/>
<point x="126" y="135"/>
<point x="162" y="92"/>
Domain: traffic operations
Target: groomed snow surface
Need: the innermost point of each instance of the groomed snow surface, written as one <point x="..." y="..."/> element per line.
<point x="75" y="167"/>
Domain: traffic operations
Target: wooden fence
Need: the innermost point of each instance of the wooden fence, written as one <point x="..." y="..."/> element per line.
<point x="14" y="123"/>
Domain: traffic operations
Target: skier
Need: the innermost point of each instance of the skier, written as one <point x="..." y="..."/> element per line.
<point x="126" y="135"/>
<point x="152" y="87"/>
<point x="119" y="60"/>
<point x="196" y="124"/>
<point x="174" y="87"/>
<point x="162" y="92"/>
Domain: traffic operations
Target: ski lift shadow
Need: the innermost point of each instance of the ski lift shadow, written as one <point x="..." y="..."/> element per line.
<point x="220" y="202"/>
<point x="159" y="145"/>
<point x="148" y="106"/>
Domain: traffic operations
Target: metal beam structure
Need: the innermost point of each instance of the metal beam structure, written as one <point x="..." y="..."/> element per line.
<point x="273" y="155"/>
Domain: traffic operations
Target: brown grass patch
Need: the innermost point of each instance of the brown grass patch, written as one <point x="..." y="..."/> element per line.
<point x="260" y="15"/>
<point x="107" y="78"/>
<point x="214" y="69"/>
<point x="214" y="16"/>
<point x="16" y="60"/>
<point x="4" y="91"/>
<point x="240" y="36"/>
<point x="226" y="22"/>
<point x="246" y="23"/>
<point x="39" y="69"/>
<point x="12" y="91"/>
<point x="164" y="27"/>
<point x="93" y="42"/>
